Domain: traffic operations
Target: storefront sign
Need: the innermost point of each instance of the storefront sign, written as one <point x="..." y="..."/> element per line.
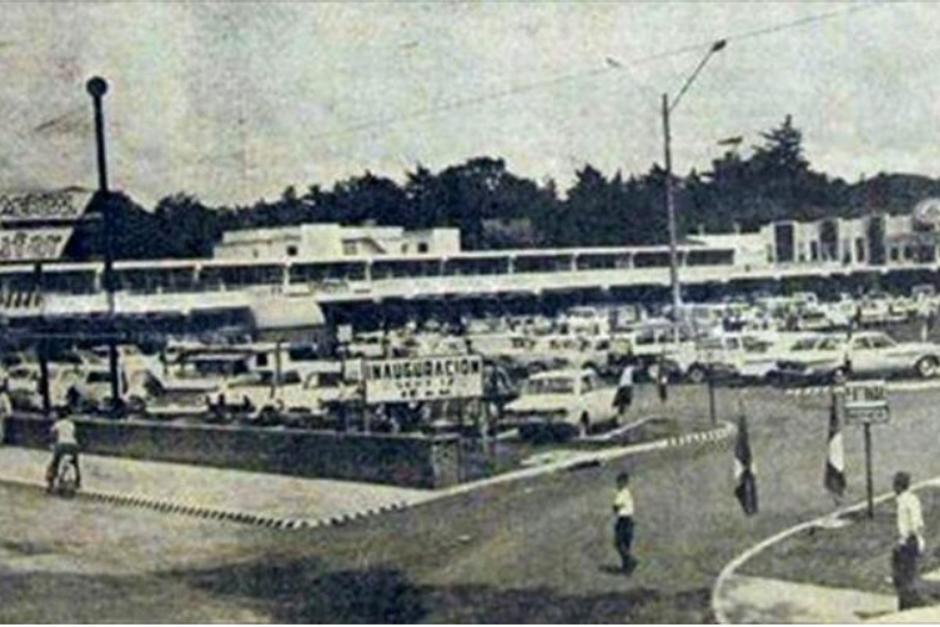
<point x="42" y="206"/>
<point x="33" y="244"/>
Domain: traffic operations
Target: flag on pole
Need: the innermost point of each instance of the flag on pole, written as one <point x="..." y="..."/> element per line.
<point x="744" y="470"/>
<point x="835" y="456"/>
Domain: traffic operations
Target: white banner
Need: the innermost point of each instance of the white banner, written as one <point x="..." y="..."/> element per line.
<point x="423" y="378"/>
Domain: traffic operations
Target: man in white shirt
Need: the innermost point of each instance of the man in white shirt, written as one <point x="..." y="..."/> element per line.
<point x="63" y="431"/>
<point x="906" y="554"/>
<point x="623" y="527"/>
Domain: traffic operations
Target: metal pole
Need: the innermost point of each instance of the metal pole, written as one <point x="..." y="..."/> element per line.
<point x="869" y="483"/>
<point x="97" y="87"/>
<point x="711" y="395"/>
<point x="670" y="211"/>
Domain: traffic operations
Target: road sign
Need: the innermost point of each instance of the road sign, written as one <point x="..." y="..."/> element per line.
<point x="866" y="403"/>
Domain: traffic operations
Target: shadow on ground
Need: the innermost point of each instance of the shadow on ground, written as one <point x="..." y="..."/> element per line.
<point x="303" y="592"/>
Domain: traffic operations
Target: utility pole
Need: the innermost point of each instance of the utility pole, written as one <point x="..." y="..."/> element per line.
<point x="668" y="108"/>
<point x="671" y="212"/>
<point x="97" y="87"/>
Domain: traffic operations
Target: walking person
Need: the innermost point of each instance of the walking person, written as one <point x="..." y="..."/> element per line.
<point x="624" y="397"/>
<point x="906" y="554"/>
<point x="623" y="526"/>
<point x="6" y="409"/>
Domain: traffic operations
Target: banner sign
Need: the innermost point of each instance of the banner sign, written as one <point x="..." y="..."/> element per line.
<point x="866" y="402"/>
<point x="423" y="378"/>
<point x="33" y="244"/>
<point x="43" y="206"/>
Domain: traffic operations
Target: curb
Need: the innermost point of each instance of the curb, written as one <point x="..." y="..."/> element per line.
<point x="211" y="513"/>
<point x="891" y="386"/>
<point x="723" y="432"/>
<point x="747" y="554"/>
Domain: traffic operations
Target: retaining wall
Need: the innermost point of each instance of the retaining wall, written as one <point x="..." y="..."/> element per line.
<point x="406" y="460"/>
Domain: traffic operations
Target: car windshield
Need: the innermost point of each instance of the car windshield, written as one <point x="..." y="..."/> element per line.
<point x="828" y="344"/>
<point x="805" y="344"/>
<point x="553" y="385"/>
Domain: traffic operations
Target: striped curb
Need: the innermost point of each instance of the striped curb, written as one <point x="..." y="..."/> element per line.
<point x="891" y="386"/>
<point x="725" y="431"/>
<point x="223" y="515"/>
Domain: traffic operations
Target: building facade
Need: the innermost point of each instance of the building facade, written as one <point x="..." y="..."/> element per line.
<point x="335" y="241"/>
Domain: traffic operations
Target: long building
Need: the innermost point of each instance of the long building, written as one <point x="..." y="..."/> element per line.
<point x="306" y="275"/>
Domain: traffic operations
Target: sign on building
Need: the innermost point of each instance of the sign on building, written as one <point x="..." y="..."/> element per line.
<point x="34" y="244"/>
<point x="423" y="378"/>
<point x="866" y="402"/>
<point x="36" y="226"/>
<point x="60" y="206"/>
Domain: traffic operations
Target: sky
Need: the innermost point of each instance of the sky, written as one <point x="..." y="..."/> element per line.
<point x="233" y="102"/>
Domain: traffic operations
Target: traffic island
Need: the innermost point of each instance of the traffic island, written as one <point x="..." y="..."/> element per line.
<point x="834" y="569"/>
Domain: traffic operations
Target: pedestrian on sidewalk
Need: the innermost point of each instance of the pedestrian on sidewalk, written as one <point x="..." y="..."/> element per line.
<point x="6" y="409"/>
<point x="623" y="527"/>
<point x="624" y="397"/>
<point x="906" y="554"/>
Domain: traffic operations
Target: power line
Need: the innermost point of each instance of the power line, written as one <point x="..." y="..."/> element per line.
<point x="611" y="65"/>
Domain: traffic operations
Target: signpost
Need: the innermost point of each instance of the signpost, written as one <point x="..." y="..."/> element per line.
<point x="866" y="404"/>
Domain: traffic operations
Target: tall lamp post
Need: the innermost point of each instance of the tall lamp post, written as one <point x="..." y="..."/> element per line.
<point x="668" y="108"/>
<point x="97" y="87"/>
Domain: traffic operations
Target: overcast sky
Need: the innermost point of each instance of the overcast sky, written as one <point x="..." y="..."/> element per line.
<point x="233" y="102"/>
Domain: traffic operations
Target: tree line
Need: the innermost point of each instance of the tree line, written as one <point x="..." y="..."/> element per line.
<point x="494" y="208"/>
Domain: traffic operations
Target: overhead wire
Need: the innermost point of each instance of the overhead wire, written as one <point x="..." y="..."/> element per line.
<point x="611" y="66"/>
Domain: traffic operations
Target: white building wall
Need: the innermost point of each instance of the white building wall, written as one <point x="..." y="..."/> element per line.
<point x="334" y="241"/>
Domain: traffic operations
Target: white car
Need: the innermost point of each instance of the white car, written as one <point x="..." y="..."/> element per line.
<point x="742" y="355"/>
<point x="573" y="400"/>
<point x="866" y="354"/>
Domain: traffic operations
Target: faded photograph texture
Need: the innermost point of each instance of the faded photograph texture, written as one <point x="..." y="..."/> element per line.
<point x="469" y="312"/>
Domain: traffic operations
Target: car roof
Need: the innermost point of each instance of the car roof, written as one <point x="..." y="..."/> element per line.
<point x="561" y="372"/>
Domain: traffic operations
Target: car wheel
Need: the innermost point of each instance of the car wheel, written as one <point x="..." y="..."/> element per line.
<point x="697" y="374"/>
<point x="926" y="367"/>
<point x="268" y="416"/>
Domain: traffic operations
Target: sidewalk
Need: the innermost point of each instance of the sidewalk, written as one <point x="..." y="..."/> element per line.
<point x="201" y="489"/>
<point x="829" y="570"/>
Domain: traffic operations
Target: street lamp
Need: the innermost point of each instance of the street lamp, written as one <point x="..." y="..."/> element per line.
<point x="670" y="200"/>
<point x="97" y="87"/>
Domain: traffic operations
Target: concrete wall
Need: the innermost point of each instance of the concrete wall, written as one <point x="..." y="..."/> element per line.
<point x="405" y="460"/>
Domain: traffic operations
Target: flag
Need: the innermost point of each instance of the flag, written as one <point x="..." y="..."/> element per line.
<point x="835" y="457"/>
<point x="744" y="474"/>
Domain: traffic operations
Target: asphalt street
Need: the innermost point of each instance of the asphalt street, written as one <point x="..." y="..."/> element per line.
<point x="534" y="551"/>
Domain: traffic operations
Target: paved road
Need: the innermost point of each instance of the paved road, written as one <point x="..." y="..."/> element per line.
<point x="534" y="551"/>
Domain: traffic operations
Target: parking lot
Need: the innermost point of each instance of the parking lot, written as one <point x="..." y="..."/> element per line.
<point x="538" y="549"/>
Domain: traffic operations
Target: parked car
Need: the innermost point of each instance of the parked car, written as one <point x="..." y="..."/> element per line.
<point x="871" y="353"/>
<point x="564" y="401"/>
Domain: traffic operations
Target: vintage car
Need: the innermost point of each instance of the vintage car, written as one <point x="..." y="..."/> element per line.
<point x="565" y="401"/>
<point x="831" y="358"/>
